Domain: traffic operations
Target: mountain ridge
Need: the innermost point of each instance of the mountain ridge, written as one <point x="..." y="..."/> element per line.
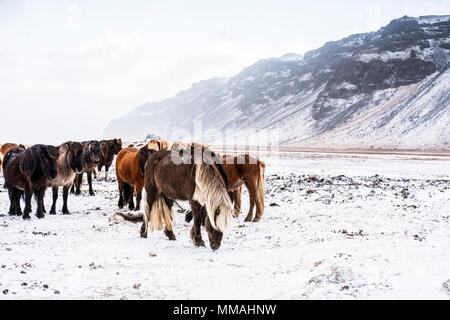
<point x="319" y="97"/>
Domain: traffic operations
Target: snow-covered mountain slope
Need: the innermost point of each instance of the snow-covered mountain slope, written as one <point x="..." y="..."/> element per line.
<point x="384" y="89"/>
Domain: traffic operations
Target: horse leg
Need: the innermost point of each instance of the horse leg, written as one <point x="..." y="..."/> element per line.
<point x="257" y="201"/>
<point x="138" y="191"/>
<point x="120" y="184"/>
<point x="28" y="195"/>
<point x="65" y="210"/>
<point x="78" y="182"/>
<point x="18" y="195"/>
<point x="40" y="203"/>
<point x="196" y="234"/>
<point x="106" y="172"/>
<point x="130" y="198"/>
<point x="169" y="233"/>
<point x="250" y="211"/>
<point x="12" y="201"/>
<point x="55" y="197"/>
<point x="89" y="176"/>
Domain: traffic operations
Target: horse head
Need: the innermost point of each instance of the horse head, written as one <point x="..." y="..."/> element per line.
<point x="117" y="145"/>
<point x="94" y="151"/>
<point x="75" y="156"/>
<point x="211" y="192"/>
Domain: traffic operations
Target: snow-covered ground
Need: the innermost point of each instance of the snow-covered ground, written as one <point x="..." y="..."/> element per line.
<point x="335" y="226"/>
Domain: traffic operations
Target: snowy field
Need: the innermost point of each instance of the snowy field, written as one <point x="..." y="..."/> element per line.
<point x="335" y="227"/>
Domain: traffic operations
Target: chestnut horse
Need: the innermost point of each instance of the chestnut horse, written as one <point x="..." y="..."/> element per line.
<point x="248" y="170"/>
<point x="29" y="172"/>
<point x="108" y="149"/>
<point x="193" y="175"/>
<point x="130" y="169"/>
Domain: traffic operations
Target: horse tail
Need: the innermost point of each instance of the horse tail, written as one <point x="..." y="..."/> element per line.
<point x="127" y="192"/>
<point x="159" y="212"/>
<point x="260" y="186"/>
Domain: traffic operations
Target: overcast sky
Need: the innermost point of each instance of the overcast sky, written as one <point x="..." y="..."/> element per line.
<point x="68" y="67"/>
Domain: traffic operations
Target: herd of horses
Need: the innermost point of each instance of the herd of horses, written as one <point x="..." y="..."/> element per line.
<point x="212" y="183"/>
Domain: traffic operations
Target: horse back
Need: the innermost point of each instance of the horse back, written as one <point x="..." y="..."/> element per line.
<point x="127" y="166"/>
<point x="175" y="181"/>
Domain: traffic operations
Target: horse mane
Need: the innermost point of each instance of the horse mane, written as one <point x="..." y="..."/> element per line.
<point x="143" y="156"/>
<point x="211" y="193"/>
<point x="31" y="161"/>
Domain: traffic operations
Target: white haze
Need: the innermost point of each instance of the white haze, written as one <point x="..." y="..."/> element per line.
<point x="68" y="67"/>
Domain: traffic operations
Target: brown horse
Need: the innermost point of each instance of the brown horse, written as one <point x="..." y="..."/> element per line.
<point x="5" y="148"/>
<point x="202" y="182"/>
<point x="28" y="172"/>
<point x="248" y="170"/>
<point x="130" y="169"/>
<point x="108" y="149"/>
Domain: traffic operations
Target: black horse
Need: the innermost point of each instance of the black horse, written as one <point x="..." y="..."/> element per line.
<point x="91" y="159"/>
<point x="29" y="172"/>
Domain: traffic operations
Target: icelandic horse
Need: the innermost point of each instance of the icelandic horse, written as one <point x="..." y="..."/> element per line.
<point x="130" y="170"/>
<point x="29" y="172"/>
<point x="192" y="173"/>
<point x="108" y="150"/>
<point x="5" y="148"/>
<point x="249" y="171"/>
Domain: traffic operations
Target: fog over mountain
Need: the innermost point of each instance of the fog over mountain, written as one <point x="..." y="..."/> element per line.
<point x="383" y="89"/>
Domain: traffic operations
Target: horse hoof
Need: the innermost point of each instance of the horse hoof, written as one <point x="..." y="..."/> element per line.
<point x="256" y="219"/>
<point x="26" y="217"/>
<point x="66" y="212"/>
<point x="248" y="219"/>
<point x="143" y="235"/>
<point x="199" y="243"/>
<point x="170" y="235"/>
<point x="40" y="215"/>
<point x="92" y="194"/>
<point x="52" y="212"/>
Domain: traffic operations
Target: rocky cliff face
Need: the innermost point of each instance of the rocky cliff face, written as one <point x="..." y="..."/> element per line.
<point x="373" y="89"/>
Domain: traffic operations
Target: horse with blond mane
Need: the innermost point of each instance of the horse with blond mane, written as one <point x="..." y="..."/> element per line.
<point x="193" y="174"/>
